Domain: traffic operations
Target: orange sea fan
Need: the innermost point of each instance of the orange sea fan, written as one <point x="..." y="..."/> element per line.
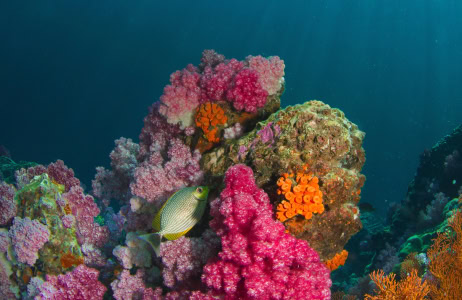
<point x="410" y="287"/>
<point x="445" y="256"/>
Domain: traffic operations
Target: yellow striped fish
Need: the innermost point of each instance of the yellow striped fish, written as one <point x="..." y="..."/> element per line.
<point x="178" y="215"/>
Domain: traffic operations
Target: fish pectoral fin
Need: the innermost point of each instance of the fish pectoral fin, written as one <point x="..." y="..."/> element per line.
<point x="174" y="236"/>
<point x="152" y="239"/>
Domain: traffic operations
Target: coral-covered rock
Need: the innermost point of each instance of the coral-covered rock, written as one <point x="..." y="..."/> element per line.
<point x="311" y="134"/>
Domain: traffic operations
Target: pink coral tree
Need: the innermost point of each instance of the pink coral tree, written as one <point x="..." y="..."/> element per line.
<point x="258" y="259"/>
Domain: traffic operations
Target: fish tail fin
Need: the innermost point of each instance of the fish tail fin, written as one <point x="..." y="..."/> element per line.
<point x="154" y="240"/>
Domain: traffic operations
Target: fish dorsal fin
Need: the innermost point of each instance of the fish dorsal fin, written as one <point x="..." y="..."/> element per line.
<point x="157" y="218"/>
<point x="174" y="236"/>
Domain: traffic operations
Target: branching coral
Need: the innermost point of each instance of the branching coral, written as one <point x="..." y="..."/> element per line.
<point x="303" y="198"/>
<point x="410" y="287"/>
<point x="445" y="256"/>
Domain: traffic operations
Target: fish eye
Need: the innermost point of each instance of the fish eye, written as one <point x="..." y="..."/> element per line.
<point x="199" y="190"/>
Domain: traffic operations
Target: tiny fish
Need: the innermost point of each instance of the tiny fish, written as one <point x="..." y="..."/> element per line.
<point x="178" y="215"/>
<point x="366" y="207"/>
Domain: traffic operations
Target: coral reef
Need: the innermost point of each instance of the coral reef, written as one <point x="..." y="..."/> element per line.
<point x="284" y="191"/>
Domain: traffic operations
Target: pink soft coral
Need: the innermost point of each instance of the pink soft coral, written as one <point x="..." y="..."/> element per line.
<point x="258" y="259"/>
<point x="181" y="97"/>
<point x="246" y="92"/>
<point x="215" y="81"/>
<point x="270" y="72"/>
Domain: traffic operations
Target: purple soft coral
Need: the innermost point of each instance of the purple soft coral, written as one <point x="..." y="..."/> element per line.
<point x="80" y="284"/>
<point x="7" y="204"/>
<point x="156" y="179"/>
<point x="84" y="209"/>
<point x="27" y="237"/>
<point x="258" y="259"/>
<point x="184" y="258"/>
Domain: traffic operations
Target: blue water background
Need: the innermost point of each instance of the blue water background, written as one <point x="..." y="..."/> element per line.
<point x="75" y="75"/>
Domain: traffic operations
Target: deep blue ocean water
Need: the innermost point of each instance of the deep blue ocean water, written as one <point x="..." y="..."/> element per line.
<point x="74" y="76"/>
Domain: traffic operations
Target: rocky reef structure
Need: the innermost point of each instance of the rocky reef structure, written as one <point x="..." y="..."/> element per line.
<point x="313" y="138"/>
<point x="284" y="188"/>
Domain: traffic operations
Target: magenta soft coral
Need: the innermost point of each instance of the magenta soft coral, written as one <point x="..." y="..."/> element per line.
<point x="215" y="81"/>
<point x="258" y="259"/>
<point x="246" y="92"/>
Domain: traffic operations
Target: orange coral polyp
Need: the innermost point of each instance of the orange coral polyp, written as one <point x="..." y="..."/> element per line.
<point x="301" y="196"/>
<point x="208" y="117"/>
<point x="337" y="261"/>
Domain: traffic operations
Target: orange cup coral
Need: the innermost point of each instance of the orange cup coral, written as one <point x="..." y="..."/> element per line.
<point x="337" y="261"/>
<point x="208" y="117"/>
<point x="301" y="196"/>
